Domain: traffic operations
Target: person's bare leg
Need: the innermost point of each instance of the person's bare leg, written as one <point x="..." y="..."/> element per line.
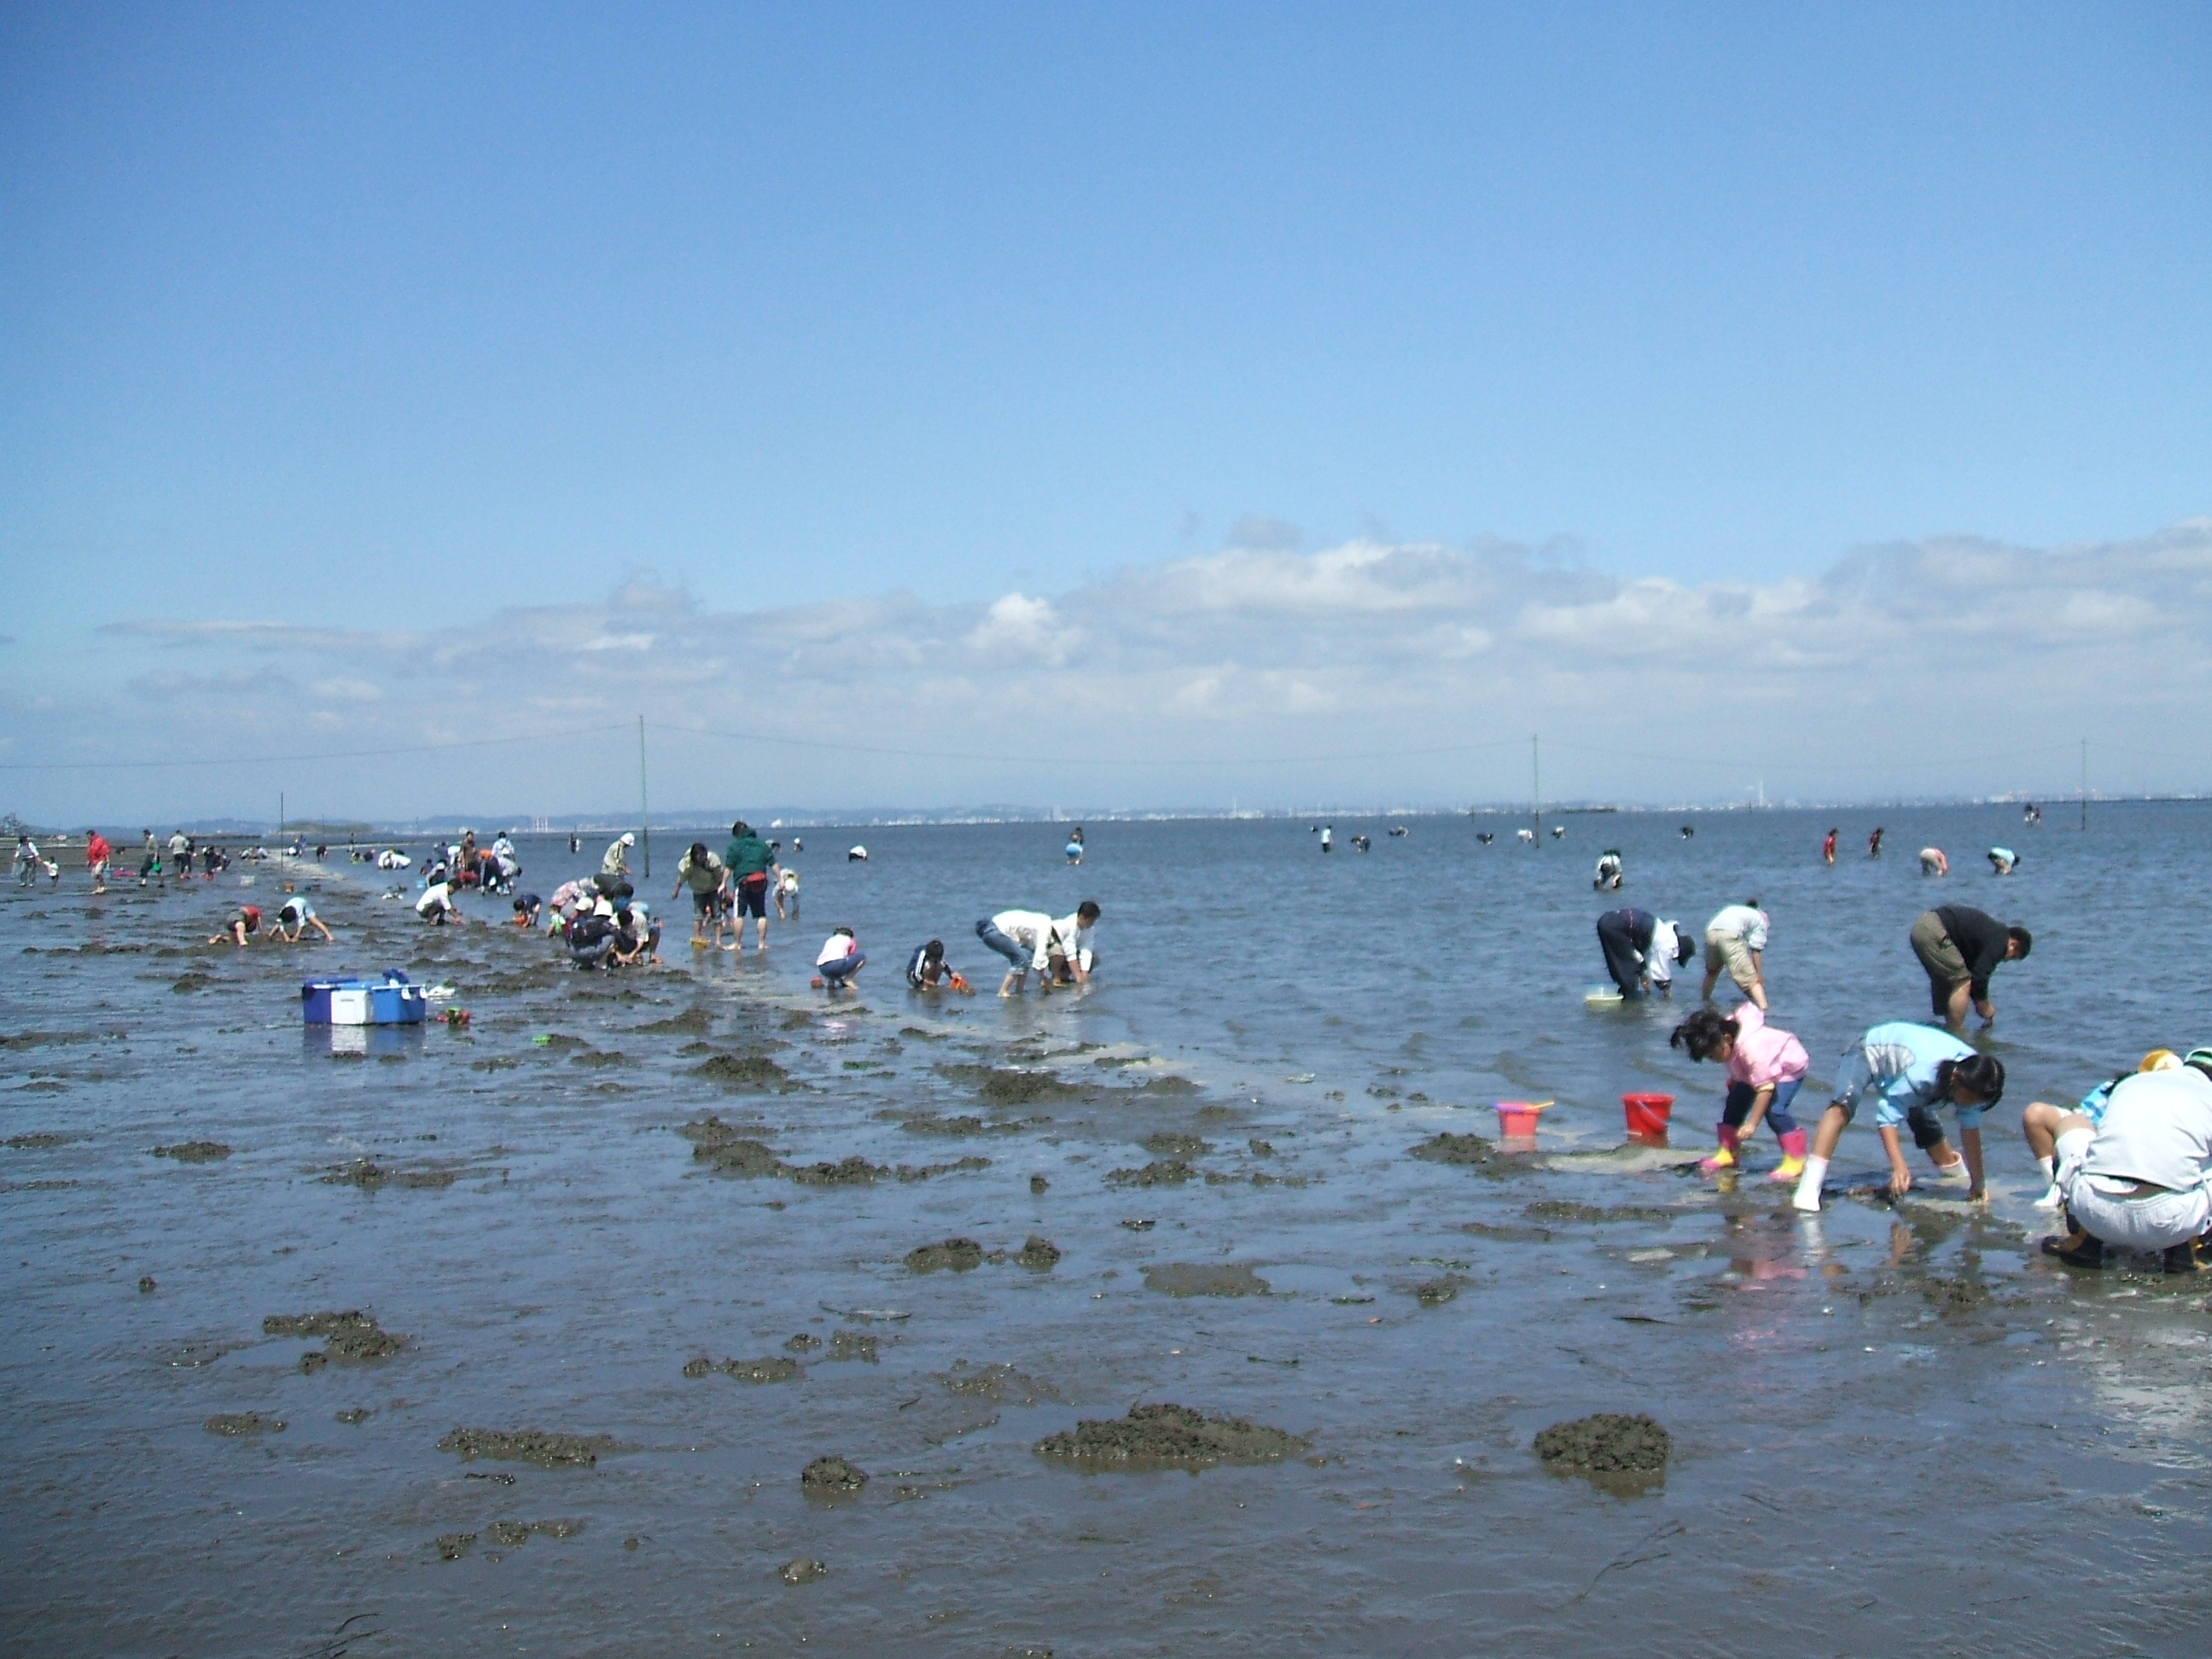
<point x="1944" y="1156"/>
<point x="1956" y="1004"/>
<point x="2039" y="1123"/>
<point x="760" y="932"/>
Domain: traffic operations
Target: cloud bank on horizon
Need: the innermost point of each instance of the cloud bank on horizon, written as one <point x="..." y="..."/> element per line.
<point x="1385" y="673"/>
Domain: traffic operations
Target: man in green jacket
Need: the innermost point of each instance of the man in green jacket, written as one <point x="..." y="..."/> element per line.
<point x="752" y="863"/>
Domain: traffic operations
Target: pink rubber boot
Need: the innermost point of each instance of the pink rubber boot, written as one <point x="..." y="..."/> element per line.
<point x="1726" y="1157"/>
<point x="1793" y="1157"/>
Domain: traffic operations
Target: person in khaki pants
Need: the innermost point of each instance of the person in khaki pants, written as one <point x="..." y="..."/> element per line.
<point x="1960" y="947"/>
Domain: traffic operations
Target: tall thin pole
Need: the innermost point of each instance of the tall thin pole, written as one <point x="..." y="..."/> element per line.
<point x="283" y="857"/>
<point x="1536" y="788"/>
<point x="644" y="813"/>
<point x="2085" y="785"/>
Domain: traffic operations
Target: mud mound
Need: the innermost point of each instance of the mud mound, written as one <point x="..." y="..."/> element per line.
<point x="853" y="1171"/>
<point x="1038" y="1253"/>
<point x="803" y="1570"/>
<point x="929" y="1123"/>
<point x="48" y="1039"/>
<point x="243" y="1423"/>
<point x="1553" y="1209"/>
<point x="194" y="1151"/>
<point x="453" y="1546"/>
<point x="958" y="1254"/>
<point x="1169" y="1083"/>
<point x="551" y="1451"/>
<point x="1165" y="1144"/>
<point x="42" y="1141"/>
<point x="1161" y="1172"/>
<point x="1039" y="1184"/>
<point x="715" y="1142"/>
<point x="184" y="984"/>
<point x="853" y="1344"/>
<point x="1001" y="1384"/>
<point x="1004" y="1086"/>
<point x="1203" y="1278"/>
<point x="368" y="1175"/>
<point x="828" y="1476"/>
<point x="924" y="1171"/>
<point x="599" y="1057"/>
<point x="1169" y="1437"/>
<point x="770" y="1369"/>
<point x="1434" y="1293"/>
<point x="1606" y="1444"/>
<point x="512" y="1534"/>
<point x="805" y="1342"/>
<point x="740" y="1072"/>
<point x="692" y="1022"/>
<point x="352" y="1336"/>
<point x="1445" y="1147"/>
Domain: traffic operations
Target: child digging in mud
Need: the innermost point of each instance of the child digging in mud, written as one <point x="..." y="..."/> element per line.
<point x="1765" y="1067"/>
<point x="1910" y="1073"/>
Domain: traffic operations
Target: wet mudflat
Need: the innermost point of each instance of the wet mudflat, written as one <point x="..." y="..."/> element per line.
<point x="521" y="1338"/>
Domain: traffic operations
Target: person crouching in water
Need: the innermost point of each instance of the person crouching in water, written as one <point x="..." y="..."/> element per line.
<point x="1910" y="1073"/>
<point x="1607" y="877"/>
<point x="1765" y="1067"/>
<point x="2039" y="1120"/>
<point x="839" y="962"/>
<point x="2141" y="1178"/>
<point x="926" y="969"/>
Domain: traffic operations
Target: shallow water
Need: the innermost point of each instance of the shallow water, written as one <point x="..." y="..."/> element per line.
<point x="1896" y="1432"/>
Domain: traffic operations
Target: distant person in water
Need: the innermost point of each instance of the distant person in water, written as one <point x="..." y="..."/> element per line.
<point x="1958" y="948"/>
<point x="1606" y="879"/>
<point x="2002" y="860"/>
<point x="1642" y="950"/>
<point x="1765" y="1067"/>
<point x="1933" y="863"/>
<point x="294" y="917"/>
<point x="98" y="856"/>
<point x="1828" y="847"/>
<point x="2141" y="1177"/>
<point x="1073" y="850"/>
<point x="1910" y="1073"/>
<point x="839" y="961"/>
<point x="787" y="893"/>
<point x="1327" y="837"/>
<point x="1688" y="830"/>
<point x="247" y="919"/>
<point x="1736" y="939"/>
<point x="1873" y="842"/>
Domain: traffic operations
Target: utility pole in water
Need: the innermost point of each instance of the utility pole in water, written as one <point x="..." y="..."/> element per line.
<point x="644" y="812"/>
<point x="1536" y="788"/>
<point x="2085" y="785"/>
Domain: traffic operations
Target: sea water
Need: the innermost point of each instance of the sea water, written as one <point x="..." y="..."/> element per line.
<point x="1895" y="1429"/>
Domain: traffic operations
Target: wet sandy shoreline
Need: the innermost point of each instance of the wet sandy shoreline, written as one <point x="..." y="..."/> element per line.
<point x="1875" y="1434"/>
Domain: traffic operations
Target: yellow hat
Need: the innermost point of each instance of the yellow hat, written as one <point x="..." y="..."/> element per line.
<point x="2160" y="1060"/>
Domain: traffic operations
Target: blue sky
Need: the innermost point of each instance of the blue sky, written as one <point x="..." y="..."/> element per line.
<point x="391" y="320"/>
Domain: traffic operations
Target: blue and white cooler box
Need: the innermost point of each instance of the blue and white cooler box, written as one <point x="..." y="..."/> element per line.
<point x="391" y="1000"/>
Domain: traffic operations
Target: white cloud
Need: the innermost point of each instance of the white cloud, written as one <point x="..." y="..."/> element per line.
<point x="1255" y="668"/>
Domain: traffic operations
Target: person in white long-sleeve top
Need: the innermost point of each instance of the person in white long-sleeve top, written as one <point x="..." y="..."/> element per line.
<point x="1030" y="938"/>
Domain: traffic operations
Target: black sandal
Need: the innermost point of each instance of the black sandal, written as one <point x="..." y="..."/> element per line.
<point x="2077" y="1249"/>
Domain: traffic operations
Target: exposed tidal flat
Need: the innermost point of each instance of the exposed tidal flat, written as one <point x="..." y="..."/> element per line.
<point x="683" y="1310"/>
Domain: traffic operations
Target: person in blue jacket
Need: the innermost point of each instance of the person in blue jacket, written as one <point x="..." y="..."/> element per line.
<point x="1909" y="1073"/>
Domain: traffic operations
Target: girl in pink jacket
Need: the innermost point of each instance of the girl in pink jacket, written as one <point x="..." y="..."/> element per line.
<point x="1765" y="1065"/>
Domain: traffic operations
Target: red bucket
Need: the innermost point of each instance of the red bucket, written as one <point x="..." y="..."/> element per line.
<point x="1648" y="1113"/>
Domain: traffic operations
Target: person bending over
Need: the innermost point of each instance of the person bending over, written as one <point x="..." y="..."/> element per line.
<point x="926" y="969"/>
<point x="2141" y="1178"/>
<point x="294" y="917"/>
<point x="1642" y="950"/>
<point x="1765" y="1067"/>
<point x="707" y="876"/>
<point x="1960" y="947"/>
<point x="1910" y="1073"/>
<point x="1025" y="939"/>
<point x="528" y="906"/>
<point x="1735" y="939"/>
<point x="247" y="919"/>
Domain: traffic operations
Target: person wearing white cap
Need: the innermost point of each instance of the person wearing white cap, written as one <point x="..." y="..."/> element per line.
<point x="2141" y="1177"/>
<point x="615" y="866"/>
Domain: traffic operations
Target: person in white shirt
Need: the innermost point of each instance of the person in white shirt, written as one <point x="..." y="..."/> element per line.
<point x="1735" y="939"/>
<point x="1029" y="939"/>
<point x="437" y="904"/>
<point x="839" y="961"/>
<point x="2140" y="1177"/>
<point x="1070" y="957"/>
